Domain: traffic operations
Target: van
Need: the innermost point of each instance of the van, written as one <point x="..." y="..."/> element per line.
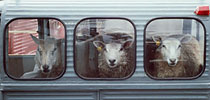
<point x="104" y="50"/>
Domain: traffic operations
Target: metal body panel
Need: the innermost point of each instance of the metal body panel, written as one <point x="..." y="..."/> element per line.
<point x="154" y="95"/>
<point x="75" y="95"/>
<point x="139" y="12"/>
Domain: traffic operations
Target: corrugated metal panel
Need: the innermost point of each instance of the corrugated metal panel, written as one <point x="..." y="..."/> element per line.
<point x="154" y="95"/>
<point x="50" y="95"/>
<point x="139" y="12"/>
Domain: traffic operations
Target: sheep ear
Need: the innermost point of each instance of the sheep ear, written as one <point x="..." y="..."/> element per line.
<point x="36" y="40"/>
<point x="185" y="38"/>
<point x="127" y="44"/>
<point x="156" y="38"/>
<point x="98" y="44"/>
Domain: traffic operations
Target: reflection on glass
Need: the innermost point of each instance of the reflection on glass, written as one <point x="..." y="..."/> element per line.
<point x="174" y="48"/>
<point x="105" y="48"/>
<point x="35" y="48"/>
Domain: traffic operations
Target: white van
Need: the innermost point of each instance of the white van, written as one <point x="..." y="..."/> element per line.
<point x="104" y="50"/>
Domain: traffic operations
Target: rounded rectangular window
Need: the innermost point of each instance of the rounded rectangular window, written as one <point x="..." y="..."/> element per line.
<point x="104" y="48"/>
<point x="35" y="48"/>
<point x="174" y="48"/>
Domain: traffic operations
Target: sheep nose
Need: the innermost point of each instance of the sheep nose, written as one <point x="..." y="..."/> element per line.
<point x="172" y="60"/>
<point x="45" y="67"/>
<point x="112" y="61"/>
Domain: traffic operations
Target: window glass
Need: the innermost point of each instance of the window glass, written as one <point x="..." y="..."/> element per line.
<point x="174" y="48"/>
<point x="35" y="48"/>
<point x="104" y="48"/>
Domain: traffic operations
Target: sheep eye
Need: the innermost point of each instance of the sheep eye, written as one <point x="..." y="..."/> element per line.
<point x="54" y="50"/>
<point x="105" y="49"/>
<point x="40" y="52"/>
<point x="163" y="46"/>
<point x="121" y="49"/>
<point x="179" y="46"/>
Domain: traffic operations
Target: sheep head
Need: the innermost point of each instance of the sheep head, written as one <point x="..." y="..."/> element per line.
<point x="112" y="52"/>
<point x="170" y="47"/>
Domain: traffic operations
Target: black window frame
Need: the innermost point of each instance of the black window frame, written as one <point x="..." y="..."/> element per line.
<point x="134" y="43"/>
<point x="5" y="50"/>
<point x="176" y="78"/>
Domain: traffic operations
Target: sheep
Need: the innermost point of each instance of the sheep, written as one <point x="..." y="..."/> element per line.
<point x="48" y="59"/>
<point x="177" y="56"/>
<point x="113" y="59"/>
